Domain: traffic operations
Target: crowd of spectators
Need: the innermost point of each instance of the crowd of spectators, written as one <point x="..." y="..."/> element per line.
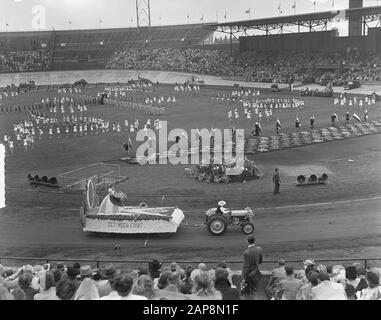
<point x="338" y="68"/>
<point x="24" y="61"/>
<point x="175" y="282"/>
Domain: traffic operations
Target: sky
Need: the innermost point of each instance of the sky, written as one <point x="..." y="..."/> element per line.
<point x="25" y="15"/>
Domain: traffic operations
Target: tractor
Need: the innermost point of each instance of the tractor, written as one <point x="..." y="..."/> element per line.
<point x="217" y="223"/>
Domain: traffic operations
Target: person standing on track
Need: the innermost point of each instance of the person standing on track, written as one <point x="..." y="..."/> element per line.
<point x="276" y="180"/>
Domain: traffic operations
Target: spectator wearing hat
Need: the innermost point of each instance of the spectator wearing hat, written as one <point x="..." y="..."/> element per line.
<point x="223" y="284"/>
<point x="25" y="281"/>
<point x="47" y="289"/>
<point x="86" y="272"/>
<point x="61" y="267"/>
<point x="327" y="290"/>
<point x="171" y="290"/>
<point x="123" y="288"/>
<point x="373" y="292"/>
<point x="252" y="258"/>
<point x="290" y="286"/>
<point x="103" y="284"/>
<point x="65" y="289"/>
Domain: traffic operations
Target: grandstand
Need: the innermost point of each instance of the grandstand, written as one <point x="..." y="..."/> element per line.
<point x="91" y="49"/>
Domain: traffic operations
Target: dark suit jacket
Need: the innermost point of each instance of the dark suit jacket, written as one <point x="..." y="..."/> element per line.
<point x="252" y="258"/>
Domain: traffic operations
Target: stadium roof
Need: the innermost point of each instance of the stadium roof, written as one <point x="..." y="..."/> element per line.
<point x="311" y="20"/>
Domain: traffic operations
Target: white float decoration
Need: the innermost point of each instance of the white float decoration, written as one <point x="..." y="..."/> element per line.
<point x="111" y="216"/>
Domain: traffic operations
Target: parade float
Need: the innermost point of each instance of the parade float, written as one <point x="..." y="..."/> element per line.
<point x="113" y="217"/>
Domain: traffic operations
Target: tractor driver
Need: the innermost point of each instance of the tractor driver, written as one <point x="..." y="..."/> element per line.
<point x="221" y="208"/>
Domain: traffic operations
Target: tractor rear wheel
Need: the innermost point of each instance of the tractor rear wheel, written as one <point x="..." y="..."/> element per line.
<point x="217" y="225"/>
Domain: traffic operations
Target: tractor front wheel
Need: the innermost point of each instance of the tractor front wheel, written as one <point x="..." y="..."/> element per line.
<point x="248" y="228"/>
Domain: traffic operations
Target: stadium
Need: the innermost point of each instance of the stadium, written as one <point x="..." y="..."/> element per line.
<point x="307" y="100"/>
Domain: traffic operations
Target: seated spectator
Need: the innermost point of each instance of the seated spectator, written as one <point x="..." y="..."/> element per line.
<point x="304" y="293"/>
<point x="5" y="294"/>
<point x="171" y="290"/>
<point x="87" y="290"/>
<point x="86" y="272"/>
<point x="18" y="294"/>
<point x="65" y="289"/>
<point x="187" y="284"/>
<point x="47" y="289"/>
<point x="353" y="279"/>
<point x="144" y="286"/>
<point x="373" y="292"/>
<point x="123" y="288"/>
<point x="222" y="283"/>
<point x="103" y="282"/>
<point x="25" y="281"/>
<point x="154" y="268"/>
<point x="327" y="289"/>
<point x="290" y="286"/>
<point x="203" y="288"/>
<point x="176" y="268"/>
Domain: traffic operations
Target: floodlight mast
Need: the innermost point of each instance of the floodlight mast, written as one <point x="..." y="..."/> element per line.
<point x="143" y="14"/>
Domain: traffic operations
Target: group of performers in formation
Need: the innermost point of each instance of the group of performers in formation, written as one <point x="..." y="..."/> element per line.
<point x="59" y="118"/>
<point x="126" y="97"/>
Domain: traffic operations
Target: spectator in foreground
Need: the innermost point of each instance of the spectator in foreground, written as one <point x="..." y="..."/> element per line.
<point x="223" y="284"/>
<point x="144" y="286"/>
<point x="327" y="290"/>
<point x="203" y="288"/>
<point x="290" y="286"/>
<point x="47" y="289"/>
<point x="373" y="292"/>
<point x="187" y="285"/>
<point x="87" y="290"/>
<point x="171" y="290"/>
<point x="65" y="289"/>
<point x="25" y="281"/>
<point x="5" y="294"/>
<point x="103" y="283"/>
<point x="123" y="288"/>
<point x="304" y="292"/>
<point x="18" y="294"/>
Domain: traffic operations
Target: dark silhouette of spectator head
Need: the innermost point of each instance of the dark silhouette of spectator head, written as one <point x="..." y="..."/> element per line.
<point x="351" y="273"/>
<point x="123" y="284"/>
<point x="323" y="276"/>
<point x="372" y="279"/>
<point x="25" y="280"/>
<point x="66" y="289"/>
<point x="289" y="271"/>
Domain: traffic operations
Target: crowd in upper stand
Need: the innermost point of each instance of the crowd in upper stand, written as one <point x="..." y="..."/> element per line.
<point x="24" y="61"/>
<point x="309" y="68"/>
<point x="245" y="66"/>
